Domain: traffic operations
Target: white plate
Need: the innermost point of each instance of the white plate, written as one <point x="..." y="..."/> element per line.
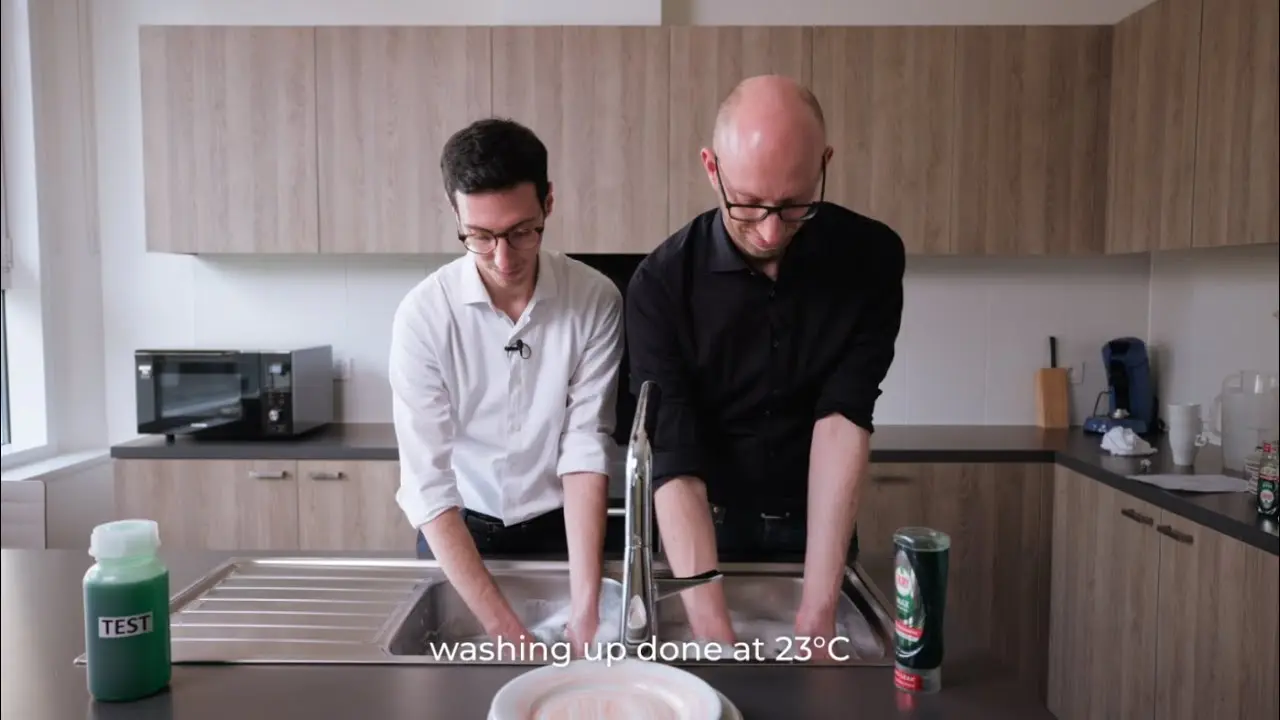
<point x="626" y="690"/>
<point x="728" y="711"/>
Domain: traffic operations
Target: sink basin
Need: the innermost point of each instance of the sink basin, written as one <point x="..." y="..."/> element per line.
<point x="404" y="611"/>
<point x="539" y="596"/>
<point x="762" y="599"/>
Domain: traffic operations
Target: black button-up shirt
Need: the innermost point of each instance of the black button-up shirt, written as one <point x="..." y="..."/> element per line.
<point x="746" y="365"/>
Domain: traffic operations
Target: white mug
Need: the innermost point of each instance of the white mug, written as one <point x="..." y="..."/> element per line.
<point x="1186" y="432"/>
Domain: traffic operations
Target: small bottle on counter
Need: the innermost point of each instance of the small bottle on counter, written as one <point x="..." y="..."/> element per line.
<point x="1251" y="463"/>
<point x="126" y="612"/>
<point x="1268" y="470"/>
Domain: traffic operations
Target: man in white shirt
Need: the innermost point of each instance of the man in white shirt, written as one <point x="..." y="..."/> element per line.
<point x="503" y="369"/>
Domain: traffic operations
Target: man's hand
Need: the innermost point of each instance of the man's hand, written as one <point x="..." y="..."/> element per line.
<point x="689" y="542"/>
<point x="817" y="629"/>
<point x="582" y="630"/>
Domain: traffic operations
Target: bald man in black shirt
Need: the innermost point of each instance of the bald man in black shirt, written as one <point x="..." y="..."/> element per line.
<point x="768" y="324"/>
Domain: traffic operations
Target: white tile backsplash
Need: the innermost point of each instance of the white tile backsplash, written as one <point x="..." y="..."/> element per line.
<point x="974" y="331"/>
<point x="1211" y="315"/>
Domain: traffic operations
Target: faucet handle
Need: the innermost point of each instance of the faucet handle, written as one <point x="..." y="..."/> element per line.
<point x="666" y="587"/>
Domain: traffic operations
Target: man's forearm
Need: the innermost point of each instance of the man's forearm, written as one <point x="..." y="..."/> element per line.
<point x="458" y="556"/>
<point x="585" y="509"/>
<point x="689" y="544"/>
<point x="837" y="463"/>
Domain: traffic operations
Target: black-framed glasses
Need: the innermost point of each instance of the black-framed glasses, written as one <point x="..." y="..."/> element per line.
<point x="483" y="243"/>
<point x="750" y="212"/>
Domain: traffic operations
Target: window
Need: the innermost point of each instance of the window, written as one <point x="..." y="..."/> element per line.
<point x="6" y="255"/>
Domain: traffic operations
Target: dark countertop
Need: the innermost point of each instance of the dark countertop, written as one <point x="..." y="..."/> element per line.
<point x="42" y="633"/>
<point x="1230" y="513"/>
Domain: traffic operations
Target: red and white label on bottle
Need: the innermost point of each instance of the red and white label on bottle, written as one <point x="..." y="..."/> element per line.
<point x="904" y="680"/>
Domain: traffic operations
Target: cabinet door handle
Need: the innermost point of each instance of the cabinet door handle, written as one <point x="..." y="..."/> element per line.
<point x="892" y="479"/>
<point x="277" y="475"/>
<point x="322" y="475"/>
<point x="1175" y="534"/>
<point x="1137" y="517"/>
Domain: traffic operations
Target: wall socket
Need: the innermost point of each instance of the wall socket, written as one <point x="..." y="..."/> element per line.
<point x="342" y="368"/>
<point x="1075" y="373"/>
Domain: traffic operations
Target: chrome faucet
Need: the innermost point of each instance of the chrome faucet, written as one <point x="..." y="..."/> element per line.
<point x="640" y="591"/>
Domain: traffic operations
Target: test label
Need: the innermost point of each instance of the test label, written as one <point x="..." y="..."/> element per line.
<point x="128" y="626"/>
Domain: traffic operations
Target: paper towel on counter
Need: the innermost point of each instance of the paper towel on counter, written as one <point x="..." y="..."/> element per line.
<point x="1194" y="483"/>
<point x="1123" y="441"/>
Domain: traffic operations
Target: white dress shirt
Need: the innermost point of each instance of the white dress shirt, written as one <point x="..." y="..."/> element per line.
<point x="486" y="429"/>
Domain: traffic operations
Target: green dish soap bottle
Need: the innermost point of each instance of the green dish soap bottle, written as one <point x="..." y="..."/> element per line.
<point x="126" y="613"/>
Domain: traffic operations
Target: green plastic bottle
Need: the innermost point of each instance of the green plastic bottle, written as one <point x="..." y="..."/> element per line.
<point x="126" y="613"/>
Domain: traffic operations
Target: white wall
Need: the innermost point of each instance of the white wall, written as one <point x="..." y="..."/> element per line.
<point x="1211" y="315"/>
<point x="973" y="335"/>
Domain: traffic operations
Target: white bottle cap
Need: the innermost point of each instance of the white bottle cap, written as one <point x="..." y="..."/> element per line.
<point x="124" y="539"/>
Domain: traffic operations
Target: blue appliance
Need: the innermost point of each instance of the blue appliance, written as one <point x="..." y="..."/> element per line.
<point x="1131" y="390"/>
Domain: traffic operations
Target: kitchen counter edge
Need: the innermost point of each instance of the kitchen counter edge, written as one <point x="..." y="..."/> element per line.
<point x="1231" y="515"/>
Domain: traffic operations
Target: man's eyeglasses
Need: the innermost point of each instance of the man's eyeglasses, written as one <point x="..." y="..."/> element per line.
<point x="749" y="212"/>
<point x="483" y="243"/>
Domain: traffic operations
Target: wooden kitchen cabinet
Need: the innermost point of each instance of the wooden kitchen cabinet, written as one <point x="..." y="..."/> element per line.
<point x="229" y="139"/>
<point x="351" y="505"/>
<point x="1217" y="626"/>
<point x="388" y="98"/>
<point x="1156" y="617"/>
<point x="1237" y="168"/>
<point x="1030" y="139"/>
<point x="1152" y="142"/>
<point x="888" y="97"/>
<point x="598" y="99"/>
<point x="213" y="504"/>
<point x="267" y="504"/>
<point x="998" y="518"/>
<point x="1105" y="562"/>
<point x="706" y="64"/>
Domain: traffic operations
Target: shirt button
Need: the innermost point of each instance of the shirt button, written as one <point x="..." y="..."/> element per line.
<point x="775" y="344"/>
<point x="773" y="294"/>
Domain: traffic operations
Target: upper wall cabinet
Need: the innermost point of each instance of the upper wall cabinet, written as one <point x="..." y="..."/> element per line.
<point x="1030" y="171"/>
<point x="1237" y="157"/>
<point x="229" y="139"/>
<point x="887" y="95"/>
<point x="706" y="64"/>
<point x="1151" y="158"/>
<point x="597" y="96"/>
<point x="388" y="98"/>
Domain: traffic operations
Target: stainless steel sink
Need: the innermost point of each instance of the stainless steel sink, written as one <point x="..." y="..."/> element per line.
<point x="404" y="611"/>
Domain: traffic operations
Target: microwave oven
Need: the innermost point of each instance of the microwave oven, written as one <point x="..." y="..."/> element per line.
<point x="234" y="394"/>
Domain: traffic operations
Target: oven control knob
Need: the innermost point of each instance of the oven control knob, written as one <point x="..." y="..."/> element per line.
<point x="273" y="415"/>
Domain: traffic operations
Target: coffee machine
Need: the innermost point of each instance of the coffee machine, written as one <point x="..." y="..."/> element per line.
<point x="1130" y="393"/>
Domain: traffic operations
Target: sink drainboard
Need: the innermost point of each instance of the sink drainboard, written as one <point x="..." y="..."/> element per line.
<point x="386" y="611"/>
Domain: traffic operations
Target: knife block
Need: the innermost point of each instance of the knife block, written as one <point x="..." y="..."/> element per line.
<point x="1053" y="398"/>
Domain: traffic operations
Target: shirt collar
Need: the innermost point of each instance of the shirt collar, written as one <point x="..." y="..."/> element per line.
<point x="725" y="256"/>
<point x="473" y="292"/>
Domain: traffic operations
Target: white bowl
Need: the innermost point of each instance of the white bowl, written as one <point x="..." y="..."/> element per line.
<point x="625" y="690"/>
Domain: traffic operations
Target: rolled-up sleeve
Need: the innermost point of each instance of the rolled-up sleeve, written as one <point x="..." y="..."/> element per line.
<point x="422" y="417"/>
<point x="593" y="392"/>
<point x="853" y="389"/>
<point x="654" y="350"/>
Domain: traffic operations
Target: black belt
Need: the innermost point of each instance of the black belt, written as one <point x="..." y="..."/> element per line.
<point x="489" y="522"/>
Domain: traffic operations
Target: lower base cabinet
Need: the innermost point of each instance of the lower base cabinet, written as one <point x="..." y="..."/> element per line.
<point x="1153" y="617"/>
<point x="267" y="504"/>
<point x="998" y="518"/>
